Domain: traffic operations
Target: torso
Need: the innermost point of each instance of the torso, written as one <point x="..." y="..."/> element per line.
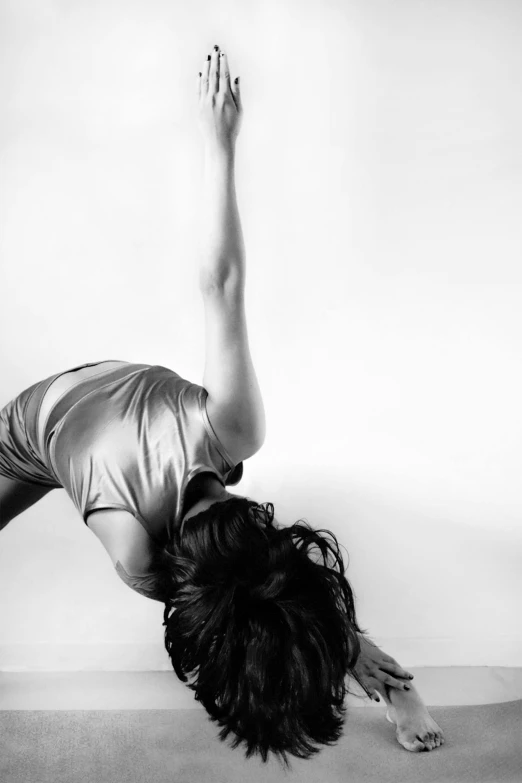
<point x="105" y="517"/>
<point x="237" y="450"/>
<point x="62" y="384"/>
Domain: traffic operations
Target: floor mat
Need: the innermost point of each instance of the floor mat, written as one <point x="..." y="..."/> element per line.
<point x="483" y="744"/>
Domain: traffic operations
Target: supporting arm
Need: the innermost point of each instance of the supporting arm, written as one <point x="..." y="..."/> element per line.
<point x="150" y="586"/>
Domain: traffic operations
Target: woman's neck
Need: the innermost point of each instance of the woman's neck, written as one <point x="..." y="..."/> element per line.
<point x="204" y="490"/>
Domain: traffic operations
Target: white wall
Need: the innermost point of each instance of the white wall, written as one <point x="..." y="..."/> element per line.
<point x="379" y="182"/>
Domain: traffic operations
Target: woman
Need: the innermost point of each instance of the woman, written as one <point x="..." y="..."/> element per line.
<point x="146" y="457"/>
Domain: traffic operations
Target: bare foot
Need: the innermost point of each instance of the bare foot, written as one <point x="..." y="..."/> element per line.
<point x="416" y="729"/>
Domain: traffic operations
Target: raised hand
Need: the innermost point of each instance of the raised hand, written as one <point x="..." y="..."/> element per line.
<point x="220" y="108"/>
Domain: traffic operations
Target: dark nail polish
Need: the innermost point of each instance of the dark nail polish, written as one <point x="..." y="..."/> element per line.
<point x="216" y="47"/>
<point x="208" y="58"/>
<point x="406" y="687"/>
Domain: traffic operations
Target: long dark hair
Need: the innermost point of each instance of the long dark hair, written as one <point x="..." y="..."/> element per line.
<point x="268" y="634"/>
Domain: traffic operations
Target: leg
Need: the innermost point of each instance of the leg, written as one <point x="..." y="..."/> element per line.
<point x="16" y="497"/>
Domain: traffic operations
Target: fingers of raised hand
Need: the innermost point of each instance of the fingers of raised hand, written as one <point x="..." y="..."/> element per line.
<point x="209" y="76"/>
<point x="216" y="72"/>
<point x="213" y="79"/>
<point x="203" y="79"/>
<point x="224" y="74"/>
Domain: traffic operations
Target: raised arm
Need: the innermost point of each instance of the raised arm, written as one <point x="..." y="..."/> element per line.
<point x="221" y="246"/>
<point x="234" y="404"/>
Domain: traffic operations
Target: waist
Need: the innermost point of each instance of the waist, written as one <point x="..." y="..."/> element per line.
<point x="65" y="381"/>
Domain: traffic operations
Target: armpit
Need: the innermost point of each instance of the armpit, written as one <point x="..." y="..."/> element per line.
<point x="151" y="586"/>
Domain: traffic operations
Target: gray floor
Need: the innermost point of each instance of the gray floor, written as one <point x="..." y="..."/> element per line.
<point x="438" y="686"/>
<point x="161" y="746"/>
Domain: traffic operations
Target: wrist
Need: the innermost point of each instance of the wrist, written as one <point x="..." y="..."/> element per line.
<point x="220" y="152"/>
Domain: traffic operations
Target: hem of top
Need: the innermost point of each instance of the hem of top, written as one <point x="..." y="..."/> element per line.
<point x="59" y="375"/>
<point x="54" y="378"/>
<point x="49" y="449"/>
<point x="210" y="430"/>
<point x="54" y="485"/>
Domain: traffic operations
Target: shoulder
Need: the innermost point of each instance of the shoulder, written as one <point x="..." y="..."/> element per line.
<point x="239" y="442"/>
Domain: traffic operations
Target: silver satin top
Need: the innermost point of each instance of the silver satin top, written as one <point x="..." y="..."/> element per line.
<point x="134" y="443"/>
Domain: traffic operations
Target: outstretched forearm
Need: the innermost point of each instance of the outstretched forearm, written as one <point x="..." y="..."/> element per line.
<point x="221" y="246"/>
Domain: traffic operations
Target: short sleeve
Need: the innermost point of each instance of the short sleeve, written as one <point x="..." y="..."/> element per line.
<point x="210" y="430"/>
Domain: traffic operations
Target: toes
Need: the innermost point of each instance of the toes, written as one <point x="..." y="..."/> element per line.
<point x="411" y="742"/>
<point x="421" y="742"/>
<point x="434" y="740"/>
<point x="417" y="746"/>
<point x="426" y="741"/>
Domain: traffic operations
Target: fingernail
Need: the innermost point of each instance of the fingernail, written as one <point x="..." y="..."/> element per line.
<point x="406" y="687"/>
<point x="208" y="58"/>
<point x="216" y="47"/>
<point x="411" y="676"/>
<point x="376" y="698"/>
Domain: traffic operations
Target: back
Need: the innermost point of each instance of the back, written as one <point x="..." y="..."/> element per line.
<point x="133" y="443"/>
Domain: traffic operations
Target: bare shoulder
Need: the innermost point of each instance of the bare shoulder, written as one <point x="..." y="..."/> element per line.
<point x="238" y="443"/>
<point x="124" y="539"/>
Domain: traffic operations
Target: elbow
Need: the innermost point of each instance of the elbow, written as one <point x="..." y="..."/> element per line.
<point x="226" y="280"/>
